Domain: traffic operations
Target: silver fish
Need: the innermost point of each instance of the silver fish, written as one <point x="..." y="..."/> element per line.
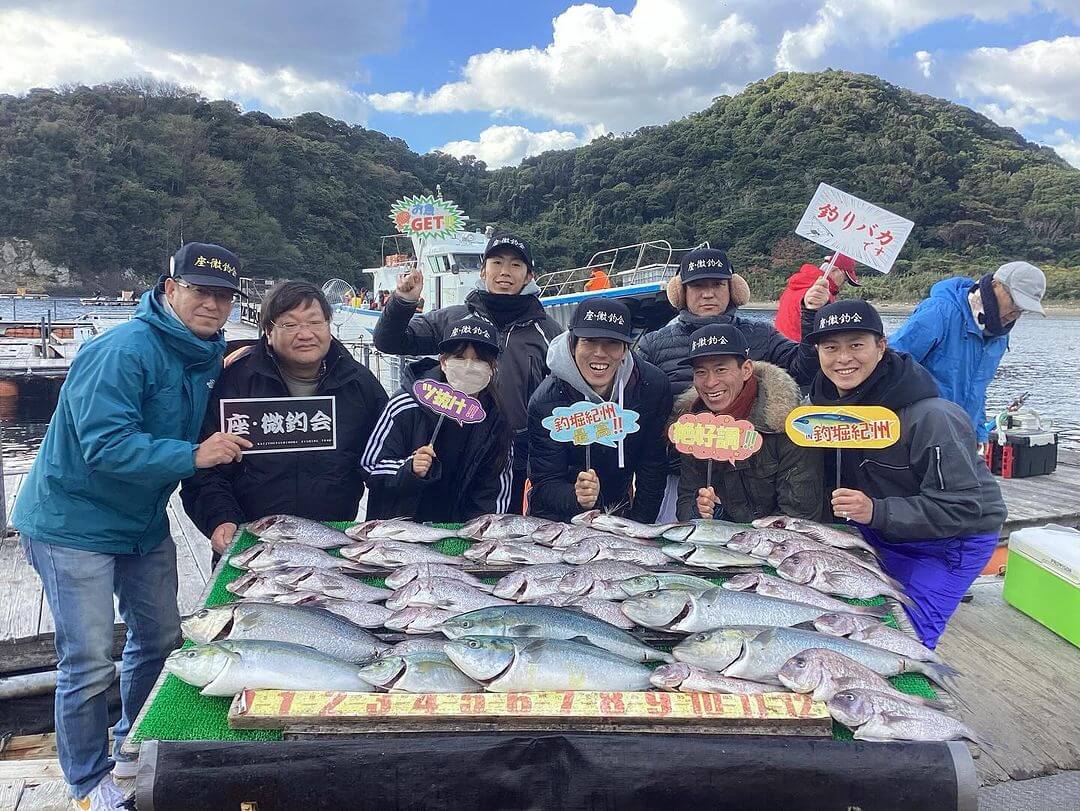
<point x="417" y="620"/>
<point x="881" y="717"/>
<point x="882" y="636"/>
<point x="606" y="610"/>
<point x="686" y="678"/>
<point x="582" y="578"/>
<point x="553" y="623"/>
<point x="661" y="581"/>
<point x="605" y="522"/>
<point x="760" y="542"/>
<point x="260" y="585"/>
<point x="592" y="549"/>
<point x="572" y="534"/>
<point x="600" y="590"/>
<point x="406" y="574"/>
<point x="298" y="624"/>
<point x="824" y="673"/>
<point x="822" y="532"/>
<point x="781" y="550"/>
<point x="494" y="553"/>
<point x="398" y="529"/>
<point x="418" y="644"/>
<point x="764" y="655"/>
<point x="531" y="582"/>
<point x="365" y="615"/>
<point x="709" y="557"/>
<point x="442" y="592"/>
<point x="704" y="532"/>
<point x="770" y="586"/>
<point x="330" y="583"/>
<point x="286" y="554"/>
<point x="225" y="668"/>
<point x="686" y="611"/>
<point x="716" y="649"/>
<point x="834" y="575"/>
<point x="843" y="624"/>
<point x="392" y="554"/>
<point x="494" y="527"/>
<point x="419" y="672"/>
<point x="300" y="530"/>
<point x="505" y="665"/>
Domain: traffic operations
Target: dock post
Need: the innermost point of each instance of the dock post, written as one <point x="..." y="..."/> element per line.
<point x="3" y="495"/>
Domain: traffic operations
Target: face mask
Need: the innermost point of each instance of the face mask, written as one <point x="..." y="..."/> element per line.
<point x="468" y="376"/>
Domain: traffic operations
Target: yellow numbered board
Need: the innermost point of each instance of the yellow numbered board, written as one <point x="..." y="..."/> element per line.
<point x="843" y="427"/>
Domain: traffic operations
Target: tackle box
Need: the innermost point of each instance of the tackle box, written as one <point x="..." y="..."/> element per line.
<point x="1042" y="577"/>
<point x="1025" y="453"/>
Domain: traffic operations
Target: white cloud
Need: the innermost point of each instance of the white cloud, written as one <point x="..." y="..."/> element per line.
<point x="1034" y="81"/>
<point x="1015" y="117"/>
<point x="1068" y="146"/>
<point x="660" y="61"/>
<point x="507" y="145"/>
<point x="925" y="60"/>
<point x="40" y="51"/>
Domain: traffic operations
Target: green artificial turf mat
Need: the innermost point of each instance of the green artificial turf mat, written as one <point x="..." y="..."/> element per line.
<point x="180" y="713"/>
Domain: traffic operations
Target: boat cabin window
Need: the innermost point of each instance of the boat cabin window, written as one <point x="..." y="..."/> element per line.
<point x="467" y="262"/>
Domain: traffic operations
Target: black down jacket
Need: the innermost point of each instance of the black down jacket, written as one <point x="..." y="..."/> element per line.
<point x="324" y="485"/>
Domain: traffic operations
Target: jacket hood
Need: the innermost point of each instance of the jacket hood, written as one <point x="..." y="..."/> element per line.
<point x="560" y="360"/>
<point x="955" y="291"/>
<point x="690" y="322"/>
<point x="182" y="340"/>
<point x="896" y="382"/>
<point x="423" y="369"/>
<point x="777" y="395"/>
<point x="811" y="273"/>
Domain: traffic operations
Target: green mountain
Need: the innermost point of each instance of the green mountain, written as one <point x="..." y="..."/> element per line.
<point x="111" y="178"/>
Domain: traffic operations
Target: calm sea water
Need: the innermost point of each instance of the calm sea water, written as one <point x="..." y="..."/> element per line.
<point x="1042" y="360"/>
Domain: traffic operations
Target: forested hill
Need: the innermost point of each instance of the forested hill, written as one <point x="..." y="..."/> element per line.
<point x="108" y="178"/>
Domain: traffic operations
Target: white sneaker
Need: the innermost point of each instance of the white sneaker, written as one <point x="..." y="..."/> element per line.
<point x="125" y="769"/>
<point x="105" y="796"/>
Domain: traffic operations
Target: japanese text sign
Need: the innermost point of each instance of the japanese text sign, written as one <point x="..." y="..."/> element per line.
<point x="449" y="402"/>
<point x="855" y="228"/>
<point x="714" y="436"/>
<point x="843" y="427"/>
<point x="282" y="424"/>
<point x="427" y="216"/>
<point x="585" y="423"/>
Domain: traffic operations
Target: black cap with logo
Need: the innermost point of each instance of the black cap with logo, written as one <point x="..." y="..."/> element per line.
<point x="847" y="315"/>
<point x="206" y="265"/>
<point x="602" y="318"/>
<point x="471" y="328"/>
<point x="506" y="240"/>
<point x="717" y="339"/>
<point x="704" y="263"/>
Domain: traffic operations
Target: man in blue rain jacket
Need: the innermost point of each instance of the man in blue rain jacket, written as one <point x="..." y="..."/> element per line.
<point x="91" y="513"/>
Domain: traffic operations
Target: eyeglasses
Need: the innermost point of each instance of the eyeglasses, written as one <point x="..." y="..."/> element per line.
<point x="219" y="294"/>
<point x="291" y="327"/>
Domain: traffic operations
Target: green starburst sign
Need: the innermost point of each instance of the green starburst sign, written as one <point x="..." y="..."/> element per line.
<point x="426" y="217"/>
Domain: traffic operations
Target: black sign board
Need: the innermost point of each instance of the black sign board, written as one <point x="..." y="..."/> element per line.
<point x="282" y="424"/>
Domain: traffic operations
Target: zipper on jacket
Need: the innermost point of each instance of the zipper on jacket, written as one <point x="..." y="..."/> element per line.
<point x="937" y="465"/>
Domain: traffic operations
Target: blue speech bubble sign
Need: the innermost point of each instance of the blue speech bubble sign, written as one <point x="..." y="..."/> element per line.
<point x="586" y="423"/>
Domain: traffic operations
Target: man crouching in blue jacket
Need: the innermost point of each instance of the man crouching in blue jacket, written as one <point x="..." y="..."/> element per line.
<point x="91" y="513"/>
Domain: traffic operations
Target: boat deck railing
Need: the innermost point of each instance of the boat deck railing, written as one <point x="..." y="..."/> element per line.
<point x="640" y="263"/>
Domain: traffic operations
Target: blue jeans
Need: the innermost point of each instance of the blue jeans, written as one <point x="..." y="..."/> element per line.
<point x="79" y="587"/>
<point x="935" y="574"/>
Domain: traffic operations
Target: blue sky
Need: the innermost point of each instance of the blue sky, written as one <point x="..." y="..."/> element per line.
<point x="504" y="80"/>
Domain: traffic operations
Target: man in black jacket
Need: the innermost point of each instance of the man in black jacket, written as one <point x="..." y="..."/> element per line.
<point x="708" y="291"/>
<point x="509" y="299"/>
<point x="593" y="362"/>
<point x="297" y="357"/>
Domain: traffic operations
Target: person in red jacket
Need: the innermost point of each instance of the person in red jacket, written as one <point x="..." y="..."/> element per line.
<point x="787" y="314"/>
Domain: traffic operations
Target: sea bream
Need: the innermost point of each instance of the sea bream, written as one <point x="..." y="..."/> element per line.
<point x="300" y="530"/>
<point x="495" y="553"/>
<point x="582" y="579"/>
<point x="418" y="672"/>
<point x="227" y="667"/>
<point x="688" y="612"/>
<point x="442" y="592"/>
<point x="770" y="586"/>
<point x="882" y="717"/>
<point x="298" y="624"/>
<point x="779" y="551"/>
<point x="531" y="582"/>
<point x="760" y="542"/>
<point x="398" y="529"/>
<point x="495" y="527"/>
<point x="406" y="574"/>
<point x="823" y="673"/>
<point x="683" y="678"/>
<point x="877" y="634"/>
<point x="709" y="557"/>
<point x="594" y="549"/>
<point x="504" y="665"/>
<point x="263" y="557"/>
<point x="835" y="575"/>
<point x="260" y="585"/>
<point x="552" y="623"/>
<point x="417" y="620"/>
<point x="392" y="554"/>
<point x="330" y="583"/>
<point x="606" y="522"/>
<point x="365" y="615"/>
<point x="821" y="532"/>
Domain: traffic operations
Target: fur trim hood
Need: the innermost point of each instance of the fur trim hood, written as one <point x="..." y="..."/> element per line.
<point x="777" y="396"/>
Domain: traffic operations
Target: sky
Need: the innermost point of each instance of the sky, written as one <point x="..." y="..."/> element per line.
<point x="503" y="80"/>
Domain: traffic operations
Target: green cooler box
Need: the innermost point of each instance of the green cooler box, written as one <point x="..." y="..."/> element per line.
<point x="1042" y="577"/>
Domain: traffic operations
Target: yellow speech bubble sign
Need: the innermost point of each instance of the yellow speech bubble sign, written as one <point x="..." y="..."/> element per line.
<point x="843" y="427"/>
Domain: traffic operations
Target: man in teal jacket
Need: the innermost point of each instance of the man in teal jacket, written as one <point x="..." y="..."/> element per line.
<point x="92" y="510"/>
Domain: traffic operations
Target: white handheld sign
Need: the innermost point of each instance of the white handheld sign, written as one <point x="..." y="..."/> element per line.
<point x="854" y="227"/>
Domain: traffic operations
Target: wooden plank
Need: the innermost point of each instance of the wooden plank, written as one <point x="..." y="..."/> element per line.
<point x="38" y="652"/>
<point x="10" y="792"/>
<point x="1019" y="681"/>
<point x="29" y="746"/>
<point x="12" y="483"/>
<point x="31" y="770"/>
<point x="20" y="592"/>
<point x="46" y="795"/>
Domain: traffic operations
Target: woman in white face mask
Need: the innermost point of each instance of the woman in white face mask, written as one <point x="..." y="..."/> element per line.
<point x="466" y="470"/>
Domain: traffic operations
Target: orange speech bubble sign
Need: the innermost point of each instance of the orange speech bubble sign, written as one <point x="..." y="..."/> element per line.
<point x="714" y="436"/>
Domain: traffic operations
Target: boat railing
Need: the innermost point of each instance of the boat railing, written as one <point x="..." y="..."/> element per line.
<point x="640" y="263"/>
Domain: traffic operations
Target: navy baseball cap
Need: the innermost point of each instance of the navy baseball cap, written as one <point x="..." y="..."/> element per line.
<point x="206" y="265"/>
<point x="717" y="339"/>
<point x="705" y="263"/>
<point x="602" y="318"/>
<point x="504" y="239"/>
<point x="847" y="315"/>
<point x="474" y="329"/>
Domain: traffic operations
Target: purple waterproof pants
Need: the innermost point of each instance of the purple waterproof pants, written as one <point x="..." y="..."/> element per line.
<point x="935" y="574"/>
